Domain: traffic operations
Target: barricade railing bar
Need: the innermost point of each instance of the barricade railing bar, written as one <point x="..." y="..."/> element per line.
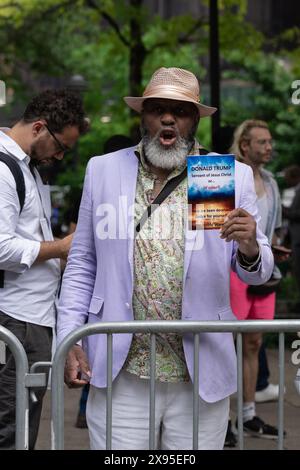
<point x="153" y="328"/>
<point x="41" y="377"/>
<point x="21" y="361"/>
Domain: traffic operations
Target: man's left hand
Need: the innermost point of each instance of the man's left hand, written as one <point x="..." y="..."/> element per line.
<point x="240" y="226"/>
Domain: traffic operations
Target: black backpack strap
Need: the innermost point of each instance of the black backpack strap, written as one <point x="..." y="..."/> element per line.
<point x="18" y="176"/>
<point x="20" y="185"/>
<point x="167" y="189"/>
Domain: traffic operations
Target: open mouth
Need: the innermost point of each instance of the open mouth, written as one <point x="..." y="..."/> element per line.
<point x="167" y="137"/>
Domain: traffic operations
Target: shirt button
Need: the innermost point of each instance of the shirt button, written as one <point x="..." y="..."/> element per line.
<point x="127" y="305"/>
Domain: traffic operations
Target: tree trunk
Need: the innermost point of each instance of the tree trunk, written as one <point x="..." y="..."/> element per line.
<point x="137" y="57"/>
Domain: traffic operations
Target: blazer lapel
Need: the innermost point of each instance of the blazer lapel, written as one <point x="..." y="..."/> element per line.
<point x="128" y="176"/>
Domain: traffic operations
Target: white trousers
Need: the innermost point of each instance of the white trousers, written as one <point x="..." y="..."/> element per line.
<point x="173" y="416"/>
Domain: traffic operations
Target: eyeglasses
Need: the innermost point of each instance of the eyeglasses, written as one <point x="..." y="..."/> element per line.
<point x="62" y="147"/>
<point x="265" y="141"/>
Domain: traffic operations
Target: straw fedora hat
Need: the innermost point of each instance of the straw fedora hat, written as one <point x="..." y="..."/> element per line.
<point x="172" y="84"/>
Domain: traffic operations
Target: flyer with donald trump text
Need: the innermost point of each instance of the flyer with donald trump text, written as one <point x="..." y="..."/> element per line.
<point x="211" y="190"/>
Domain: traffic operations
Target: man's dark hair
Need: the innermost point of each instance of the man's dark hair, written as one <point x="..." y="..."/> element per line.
<point x="59" y="108"/>
<point x="117" y="142"/>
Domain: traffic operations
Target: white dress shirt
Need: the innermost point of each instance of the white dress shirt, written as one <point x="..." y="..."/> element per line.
<point x="29" y="288"/>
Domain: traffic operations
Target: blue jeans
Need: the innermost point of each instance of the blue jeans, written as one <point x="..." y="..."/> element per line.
<point x="263" y="370"/>
<point x="83" y="399"/>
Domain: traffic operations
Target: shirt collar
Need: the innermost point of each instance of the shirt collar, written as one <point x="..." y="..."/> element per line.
<point x="12" y="147"/>
<point x="139" y="152"/>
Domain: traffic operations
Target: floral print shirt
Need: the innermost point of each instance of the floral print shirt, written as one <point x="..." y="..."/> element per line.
<point x="158" y="276"/>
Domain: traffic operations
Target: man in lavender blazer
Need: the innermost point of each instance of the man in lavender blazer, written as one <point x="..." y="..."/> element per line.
<point x="101" y="284"/>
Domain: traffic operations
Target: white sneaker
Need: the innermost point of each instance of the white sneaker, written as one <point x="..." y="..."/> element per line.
<point x="270" y="393"/>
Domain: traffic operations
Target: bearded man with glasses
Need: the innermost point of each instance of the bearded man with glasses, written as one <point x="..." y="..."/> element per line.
<point x="29" y="256"/>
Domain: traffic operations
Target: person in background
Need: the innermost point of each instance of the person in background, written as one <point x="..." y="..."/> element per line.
<point x="292" y="214"/>
<point x="29" y="257"/>
<point x="252" y="145"/>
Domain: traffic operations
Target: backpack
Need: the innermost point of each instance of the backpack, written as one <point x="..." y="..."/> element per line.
<point x="20" y="185"/>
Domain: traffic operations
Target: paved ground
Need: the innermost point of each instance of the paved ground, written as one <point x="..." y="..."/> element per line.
<point x="78" y="438"/>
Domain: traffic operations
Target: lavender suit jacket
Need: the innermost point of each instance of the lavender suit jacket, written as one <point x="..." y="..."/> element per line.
<point x="98" y="280"/>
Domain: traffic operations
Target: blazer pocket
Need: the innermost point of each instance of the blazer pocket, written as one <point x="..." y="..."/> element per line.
<point x="96" y="305"/>
<point x="226" y="314"/>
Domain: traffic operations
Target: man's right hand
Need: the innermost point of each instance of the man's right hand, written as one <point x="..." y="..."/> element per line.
<point x="77" y="365"/>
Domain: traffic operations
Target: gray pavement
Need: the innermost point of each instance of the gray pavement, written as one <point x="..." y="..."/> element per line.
<point x="78" y="438"/>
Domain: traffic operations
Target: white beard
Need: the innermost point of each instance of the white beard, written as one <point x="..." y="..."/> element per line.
<point x="167" y="159"/>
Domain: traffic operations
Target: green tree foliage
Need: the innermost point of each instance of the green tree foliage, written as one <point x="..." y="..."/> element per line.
<point x="270" y="99"/>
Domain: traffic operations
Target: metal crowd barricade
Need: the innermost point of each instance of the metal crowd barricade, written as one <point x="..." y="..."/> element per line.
<point x="24" y="382"/>
<point x="21" y="361"/>
<point x="154" y="327"/>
